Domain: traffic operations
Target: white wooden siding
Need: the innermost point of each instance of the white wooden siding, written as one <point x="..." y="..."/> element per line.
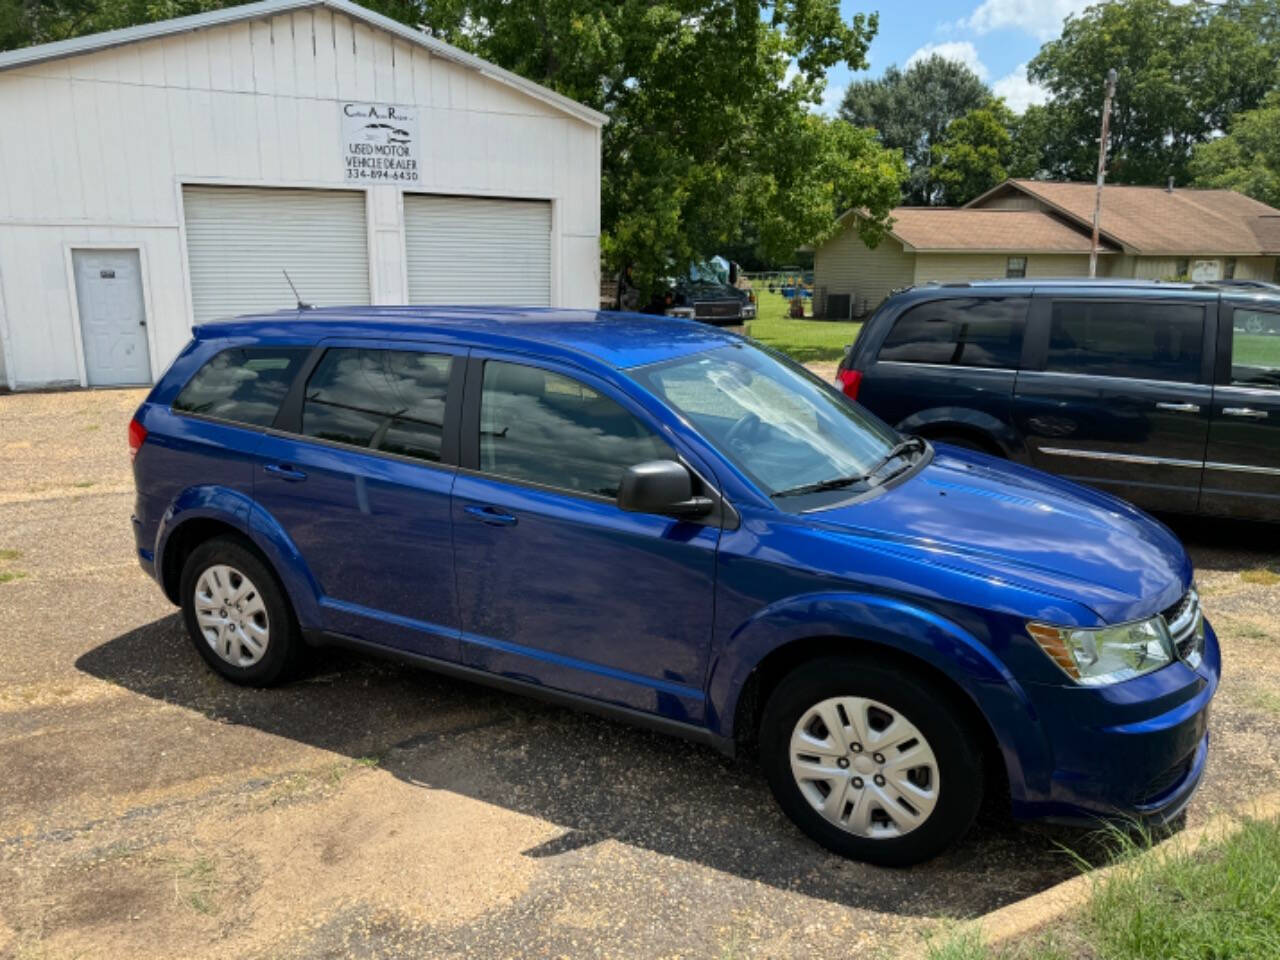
<point x="110" y="137"/>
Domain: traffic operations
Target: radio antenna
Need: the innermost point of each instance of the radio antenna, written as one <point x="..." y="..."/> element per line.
<point x="301" y="305"/>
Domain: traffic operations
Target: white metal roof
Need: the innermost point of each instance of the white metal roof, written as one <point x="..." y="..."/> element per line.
<point x="268" y="8"/>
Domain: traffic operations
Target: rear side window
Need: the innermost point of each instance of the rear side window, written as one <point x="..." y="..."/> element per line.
<point x="244" y="385"/>
<point x="387" y="400"/>
<point x="1255" y="349"/>
<point x="965" y="332"/>
<point x="1150" y="341"/>
<point x="543" y="428"/>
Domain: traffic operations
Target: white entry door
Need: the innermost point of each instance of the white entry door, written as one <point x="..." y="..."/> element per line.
<point x="113" y="318"/>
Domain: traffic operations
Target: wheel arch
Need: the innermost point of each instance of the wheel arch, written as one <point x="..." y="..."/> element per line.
<point x="785" y="635"/>
<point x="996" y="436"/>
<point x="205" y="512"/>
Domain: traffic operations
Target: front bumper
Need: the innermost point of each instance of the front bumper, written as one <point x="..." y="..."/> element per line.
<point x="1135" y="750"/>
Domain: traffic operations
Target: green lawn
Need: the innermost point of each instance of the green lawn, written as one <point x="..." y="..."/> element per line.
<point x="1256" y="350"/>
<point x="1218" y="902"/>
<point x="803" y="340"/>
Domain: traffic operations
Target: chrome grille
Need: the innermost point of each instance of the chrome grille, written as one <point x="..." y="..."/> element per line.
<point x="1186" y="626"/>
<point x="717" y="308"/>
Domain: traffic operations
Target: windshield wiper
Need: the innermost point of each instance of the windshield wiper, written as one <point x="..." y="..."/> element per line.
<point x="904" y="446"/>
<point x="835" y="483"/>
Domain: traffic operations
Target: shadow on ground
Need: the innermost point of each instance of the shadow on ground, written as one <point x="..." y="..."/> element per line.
<point x="596" y="778"/>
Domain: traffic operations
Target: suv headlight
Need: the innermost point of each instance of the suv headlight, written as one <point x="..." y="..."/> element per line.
<point x="1094" y="657"/>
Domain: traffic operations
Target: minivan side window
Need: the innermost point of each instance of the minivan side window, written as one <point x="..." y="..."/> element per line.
<point x="962" y="331"/>
<point x="544" y="428"/>
<point x="1255" y="349"/>
<point x="1149" y="341"/>
<point x="392" y="401"/>
<point x="243" y="385"/>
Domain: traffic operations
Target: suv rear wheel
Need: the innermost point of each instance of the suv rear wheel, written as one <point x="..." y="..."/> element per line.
<point x="869" y="761"/>
<point x="237" y="614"/>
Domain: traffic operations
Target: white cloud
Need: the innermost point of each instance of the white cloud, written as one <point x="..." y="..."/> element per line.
<point x="831" y="98"/>
<point x="961" y="51"/>
<point x="1018" y="91"/>
<point x="1040" y="18"/>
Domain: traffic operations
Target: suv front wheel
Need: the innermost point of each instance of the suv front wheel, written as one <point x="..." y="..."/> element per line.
<point x="869" y="761"/>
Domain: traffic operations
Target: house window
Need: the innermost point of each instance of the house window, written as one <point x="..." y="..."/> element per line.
<point x="1183" y="269"/>
<point x="1016" y="267"/>
<point x="1229" y="270"/>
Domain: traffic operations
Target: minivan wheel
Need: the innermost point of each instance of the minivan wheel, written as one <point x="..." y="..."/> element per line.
<point x="236" y="613"/>
<point x="870" y="760"/>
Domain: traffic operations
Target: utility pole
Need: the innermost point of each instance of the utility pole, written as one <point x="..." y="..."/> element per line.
<point x="1102" y="169"/>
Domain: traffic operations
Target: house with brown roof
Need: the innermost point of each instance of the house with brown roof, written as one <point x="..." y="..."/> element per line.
<point x="1033" y="228"/>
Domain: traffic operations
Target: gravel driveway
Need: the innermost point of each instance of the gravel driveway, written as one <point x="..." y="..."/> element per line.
<point x="150" y="810"/>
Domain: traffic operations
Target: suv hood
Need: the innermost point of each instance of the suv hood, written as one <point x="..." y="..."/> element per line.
<point x="974" y="513"/>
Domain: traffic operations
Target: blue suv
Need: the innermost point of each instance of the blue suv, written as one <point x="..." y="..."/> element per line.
<point x="658" y="519"/>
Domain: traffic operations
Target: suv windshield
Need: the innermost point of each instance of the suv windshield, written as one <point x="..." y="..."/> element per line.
<point x="789" y="433"/>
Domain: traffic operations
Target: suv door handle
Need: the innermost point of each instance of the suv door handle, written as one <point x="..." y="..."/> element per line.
<point x="1178" y="407"/>
<point x="285" y="472"/>
<point x="490" y="515"/>
<point x="1244" y="412"/>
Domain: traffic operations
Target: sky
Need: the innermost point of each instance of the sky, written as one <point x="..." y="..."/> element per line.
<point x="994" y="38"/>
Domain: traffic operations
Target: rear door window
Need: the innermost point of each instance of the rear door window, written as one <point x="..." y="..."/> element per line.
<point x="243" y="385"/>
<point x="392" y="401"/>
<point x="1149" y="341"/>
<point x="961" y="331"/>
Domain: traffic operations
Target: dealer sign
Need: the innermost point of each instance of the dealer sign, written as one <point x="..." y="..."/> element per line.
<point x="380" y="143"/>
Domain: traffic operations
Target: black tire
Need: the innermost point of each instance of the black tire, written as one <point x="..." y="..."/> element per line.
<point x="284" y="641"/>
<point x="924" y="704"/>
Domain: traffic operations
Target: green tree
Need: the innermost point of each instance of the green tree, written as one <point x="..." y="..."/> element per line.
<point x="709" y="140"/>
<point x="1247" y="158"/>
<point x="974" y="154"/>
<point x="1182" y="70"/>
<point x="911" y="110"/>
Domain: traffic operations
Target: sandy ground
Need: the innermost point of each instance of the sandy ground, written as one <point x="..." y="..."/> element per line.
<point x="148" y="809"/>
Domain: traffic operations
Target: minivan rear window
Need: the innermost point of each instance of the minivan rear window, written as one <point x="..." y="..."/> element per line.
<point x="961" y="331"/>
<point x="1148" y="341"/>
<point x="243" y="385"/>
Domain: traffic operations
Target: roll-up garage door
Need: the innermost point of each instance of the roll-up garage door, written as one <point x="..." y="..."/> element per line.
<point x="240" y="240"/>
<point x="478" y="251"/>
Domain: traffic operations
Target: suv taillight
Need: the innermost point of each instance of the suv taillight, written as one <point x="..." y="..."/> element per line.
<point x="137" y="436"/>
<point x="850" y="380"/>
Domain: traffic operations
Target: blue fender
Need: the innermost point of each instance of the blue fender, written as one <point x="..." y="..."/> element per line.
<point x="239" y="511"/>
<point x="966" y="418"/>
<point x="203" y="502"/>
<point x="868" y="620"/>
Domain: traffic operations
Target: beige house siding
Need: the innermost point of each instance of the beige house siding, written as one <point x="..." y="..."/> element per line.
<point x="1061" y="265"/>
<point x="1256" y="268"/>
<point x="844" y="264"/>
<point x="1012" y="201"/>
<point x="1159" y="268"/>
<point x="956" y="267"/>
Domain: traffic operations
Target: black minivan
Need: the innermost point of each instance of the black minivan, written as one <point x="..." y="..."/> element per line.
<point x="1166" y="394"/>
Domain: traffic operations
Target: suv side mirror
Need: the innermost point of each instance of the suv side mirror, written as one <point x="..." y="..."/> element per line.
<point x="663" y="487"/>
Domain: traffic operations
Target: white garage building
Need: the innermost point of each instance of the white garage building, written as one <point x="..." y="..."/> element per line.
<point x="172" y="172"/>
